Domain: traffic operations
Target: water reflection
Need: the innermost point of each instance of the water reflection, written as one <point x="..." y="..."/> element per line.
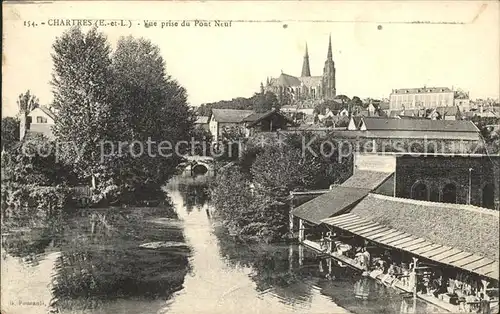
<point x="240" y="277"/>
<point x="193" y="195"/>
<point x="145" y="261"/>
<point x="100" y="264"/>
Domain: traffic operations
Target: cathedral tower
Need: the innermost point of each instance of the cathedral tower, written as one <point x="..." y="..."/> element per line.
<point x="328" y="83"/>
<point x="306" y="71"/>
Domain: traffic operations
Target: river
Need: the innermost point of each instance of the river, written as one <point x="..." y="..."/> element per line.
<point x="139" y="261"/>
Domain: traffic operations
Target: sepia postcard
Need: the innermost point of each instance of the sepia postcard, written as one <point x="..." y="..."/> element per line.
<point x="250" y="157"/>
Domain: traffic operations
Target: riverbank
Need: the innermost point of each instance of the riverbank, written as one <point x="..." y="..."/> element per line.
<point x="149" y="263"/>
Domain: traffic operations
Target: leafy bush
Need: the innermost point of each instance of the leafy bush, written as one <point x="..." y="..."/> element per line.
<point x="34" y="161"/>
<point x="32" y="203"/>
<point x="251" y="196"/>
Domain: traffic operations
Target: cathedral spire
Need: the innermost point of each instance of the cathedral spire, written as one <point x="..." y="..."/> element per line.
<point x="306" y="71"/>
<point x="330" y="55"/>
<point x="329" y="90"/>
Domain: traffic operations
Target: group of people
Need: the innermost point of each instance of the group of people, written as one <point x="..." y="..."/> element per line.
<point x="430" y="282"/>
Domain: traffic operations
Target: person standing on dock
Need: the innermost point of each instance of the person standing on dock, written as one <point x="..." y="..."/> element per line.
<point x="366" y="259"/>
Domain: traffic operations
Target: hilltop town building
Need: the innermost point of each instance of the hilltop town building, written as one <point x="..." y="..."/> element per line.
<point x="425" y="97"/>
<point x="306" y="87"/>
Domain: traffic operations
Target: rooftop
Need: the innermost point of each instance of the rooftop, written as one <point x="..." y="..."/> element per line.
<point x="256" y="117"/>
<point x="366" y="179"/>
<point x="47" y="111"/>
<point x="373" y="124"/>
<point x="230" y="115"/>
<point x="331" y="203"/>
<point x="201" y="120"/>
<point x="465" y="227"/>
<point x="286" y="80"/>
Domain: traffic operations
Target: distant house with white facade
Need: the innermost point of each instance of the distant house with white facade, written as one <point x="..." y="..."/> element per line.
<point x="227" y="118"/>
<point x="344" y="112"/>
<point x="424" y="97"/>
<point x="40" y="120"/>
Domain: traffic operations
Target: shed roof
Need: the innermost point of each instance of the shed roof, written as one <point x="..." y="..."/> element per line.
<point x="419" y="125"/>
<point x="230" y="115"/>
<point x="465" y="227"/>
<point x="257" y="117"/>
<point x="403" y="134"/>
<point x="420" y="246"/>
<point x="329" y="204"/>
<point x="449" y="111"/>
<point x="366" y="179"/>
<point x="422" y="134"/>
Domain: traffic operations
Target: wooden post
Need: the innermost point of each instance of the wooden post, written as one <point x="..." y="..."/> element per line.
<point x="485" y="286"/>
<point x="290" y="215"/>
<point x="301" y="255"/>
<point x="290" y="258"/>
<point x="301" y="230"/>
<point x="413" y="273"/>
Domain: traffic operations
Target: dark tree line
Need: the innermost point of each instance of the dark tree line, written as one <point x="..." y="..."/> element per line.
<point x="259" y="102"/>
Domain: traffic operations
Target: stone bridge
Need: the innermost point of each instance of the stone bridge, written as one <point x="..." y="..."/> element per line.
<point x="198" y="165"/>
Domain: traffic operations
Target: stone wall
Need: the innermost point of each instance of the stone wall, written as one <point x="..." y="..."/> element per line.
<point x="437" y="172"/>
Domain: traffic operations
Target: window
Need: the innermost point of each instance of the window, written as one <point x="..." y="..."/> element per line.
<point x="449" y="193"/>
<point x="419" y="192"/>
<point x="41" y="119"/>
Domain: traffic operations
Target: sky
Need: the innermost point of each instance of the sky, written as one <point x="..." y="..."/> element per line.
<point x="376" y="47"/>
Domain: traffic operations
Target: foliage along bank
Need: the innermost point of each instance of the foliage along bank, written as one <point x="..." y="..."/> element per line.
<point x="251" y="195"/>
<point x="102" y="99"/>
<point x="108" y="98"/>
<point x="35" y="186"/>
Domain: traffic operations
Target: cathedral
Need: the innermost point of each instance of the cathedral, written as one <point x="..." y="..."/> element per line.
<point x="306" y="88"/>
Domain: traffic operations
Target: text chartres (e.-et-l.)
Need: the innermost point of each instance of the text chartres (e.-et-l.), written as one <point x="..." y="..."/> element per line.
<point x="69" y="22"/>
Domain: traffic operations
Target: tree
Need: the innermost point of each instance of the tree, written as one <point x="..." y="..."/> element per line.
<point x="148" y="105"/>
<point x="356" y="101"/>
<point x="230" y="143"/>
<point x="27" y="102"/>
<point x="461" y="94"/>
<point x="280" y="170"/>
<point x="265" y="102"/>
<point x="203" y="139"/>
<point x="81" y="78"/>
<point x="343" y="98"/>
<point x="10" y="131"/>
